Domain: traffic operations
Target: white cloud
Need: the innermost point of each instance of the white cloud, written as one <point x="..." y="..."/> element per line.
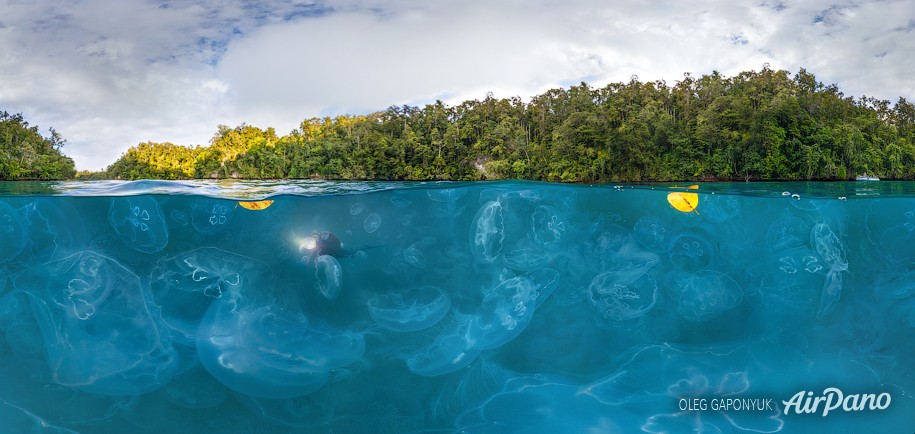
<point x="109" y="75"/>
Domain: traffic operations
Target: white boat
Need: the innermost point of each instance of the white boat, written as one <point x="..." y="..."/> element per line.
<point x="865" y="177"/>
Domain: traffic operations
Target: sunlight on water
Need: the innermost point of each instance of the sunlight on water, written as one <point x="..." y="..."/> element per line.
<point x="157" y="306"/>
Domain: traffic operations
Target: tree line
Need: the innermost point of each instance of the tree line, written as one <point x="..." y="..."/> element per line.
<point x="26" y="154"/>
<point x="757" y="125"/>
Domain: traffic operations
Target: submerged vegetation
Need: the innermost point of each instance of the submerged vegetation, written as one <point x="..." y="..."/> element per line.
<point x="757" y="125"/>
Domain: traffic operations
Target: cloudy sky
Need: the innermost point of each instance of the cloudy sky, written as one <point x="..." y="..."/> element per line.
<point x="108" y="74"/>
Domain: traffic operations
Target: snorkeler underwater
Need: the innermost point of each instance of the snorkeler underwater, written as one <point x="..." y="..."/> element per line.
<point x="457" y="307"/>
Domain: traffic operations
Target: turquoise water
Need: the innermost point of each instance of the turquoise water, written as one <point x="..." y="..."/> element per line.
<point x="456" y="307"/>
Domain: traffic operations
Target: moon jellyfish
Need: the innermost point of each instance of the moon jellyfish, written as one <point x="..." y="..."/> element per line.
<point x="720" y="207"/>
<point x="446" y="195"/>
<point x="185" y="285"/>
<point x="653" y="234"/>
<point x="356" y="209"/>
<point x="832" y="251"/>
<point x="487" y="232"/>
<point x="787" y="232"/>
<point x="98" y="332"/>
<point x="691" y="252"/>
<point x="542" y="404"/>
<point x="372" y="223"/>
<point x="55" y="229"/>
<point x="12" y="235"/>
<point x="508" y="308"/>
<point x="46" y="404"/>
<point x="409" y="310"/>
<point x="407" y="218"/>
<point x="210" y="216"/>
<point x="329" y="276"/>
<point x="178" y="217"/>
<point x="139" y="223"/>
<point x="708" y="293"/>
<point x="602" y="248"/>
<point x="788" y="278"/>
<point x="414" y="256"/>
<point x="548" y="226"/>
<point x="890" y="227"/>
<point x="270" y="351"/>
<point x="620" y="296"/>
<point x="449" y="352"/>
<point x="526" y="259"/>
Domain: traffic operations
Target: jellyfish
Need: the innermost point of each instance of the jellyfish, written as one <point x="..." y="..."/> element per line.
<point x="720" y="207"/>
<point x="507" y="309"/>
<point x="414" y="256"/>
<point x="890" y="225"/>
<point x="526" y="259"/>
<point x="48" y="406"/>
<point x="620" y="296"/>
<point x="100" y="336"/>
<point x="787" y="232"/>
<point x="270" y="351"/>
<point x="487" y="232"/>
<point x="708" y="293"/>
<point x="602" y="248"/>
<point x="55" y="229"/>
<point x="210" y="216"/>
<point x="691" y="252"/>
<point x="787" y="278"/>
<point x="449" y="352"/>
<point x="446" y="195"/>
<point x="12" y="233"/>
<point x="548" y="226"/>
<point x="407" y="218"/>
<point x="138" y="222"/>
<point x="178" y="217"/>
<point x="832" y="251"/>
<point x="356" y="209"/>
<point x="409" y="310"/>
<point x="653" y="234"/>
<point x="543" y="404"/>
<point x="185" y="285"/>
<point x="329" y="276"/>
<point x="372" y="223"/>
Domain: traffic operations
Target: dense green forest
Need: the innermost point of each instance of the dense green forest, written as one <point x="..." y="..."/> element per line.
<point x="25" y="154"/>
<point x="757" y="125"/>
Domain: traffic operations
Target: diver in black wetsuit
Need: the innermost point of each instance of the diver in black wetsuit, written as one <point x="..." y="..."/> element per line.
<point x="326" y="243"/>
<point x="323" y="243"/>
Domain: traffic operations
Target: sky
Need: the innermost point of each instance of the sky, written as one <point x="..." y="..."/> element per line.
<point x="110" y="74"/>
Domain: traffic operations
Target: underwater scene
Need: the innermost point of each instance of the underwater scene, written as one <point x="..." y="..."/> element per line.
<point x="150" y="307"/>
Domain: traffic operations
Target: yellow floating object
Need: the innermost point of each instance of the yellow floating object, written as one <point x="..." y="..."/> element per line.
<point x="684" y="202"/>
<point x="256" y="205"/>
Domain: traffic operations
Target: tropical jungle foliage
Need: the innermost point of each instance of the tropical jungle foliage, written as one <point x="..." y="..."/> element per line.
<point x="25" y="154"/>
<point x="757" y="125"/>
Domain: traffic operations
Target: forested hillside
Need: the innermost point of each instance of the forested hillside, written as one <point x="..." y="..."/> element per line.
<point x="756" y="125"/>
<point x="25" y="154"/>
